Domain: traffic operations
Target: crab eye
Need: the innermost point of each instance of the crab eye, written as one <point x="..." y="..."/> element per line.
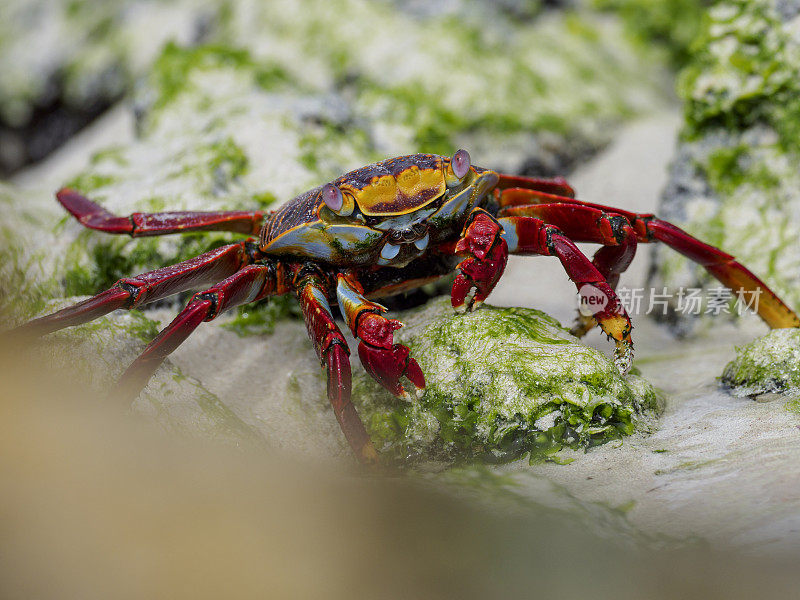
<point x="332" y="196"/>
<point x="461" y="163"/>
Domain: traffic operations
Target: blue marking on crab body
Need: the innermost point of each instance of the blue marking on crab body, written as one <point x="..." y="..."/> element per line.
<point x="510" y="236"/>
<point x="330" y="243"/>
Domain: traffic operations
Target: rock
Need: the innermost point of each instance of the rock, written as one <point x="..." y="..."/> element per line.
<point x="501" y="382"/>
<point x="66" y="62"/>
<point x="767" y="365"/>
<point x="735" y="182"/>
<point x="464" y="69"/>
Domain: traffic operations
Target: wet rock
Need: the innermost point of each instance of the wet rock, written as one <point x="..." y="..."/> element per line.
<point x="501" y="383"/>
<point x="66" y="62"/>
<point x="768" y="365"/>
<point x="465" y="68"/>
<point x="97" y="353"/>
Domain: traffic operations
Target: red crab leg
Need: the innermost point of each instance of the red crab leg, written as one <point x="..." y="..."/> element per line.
<point x="486" y="255"/>
<point x="333" y="353"/>
<point x="556" y="185"/>
<point x="148" y="287"/>
<point x="526" y="197"/>
<point x="384" y="360"/>
<point x="727" y="270"/>
<point x="588" y="224"/>
<point x="94" y="216"/>
<point x="528" y="235"/>
<point x="648" y="228"/>
<point x="249" y="284"/>
<point x="611" y="261"/>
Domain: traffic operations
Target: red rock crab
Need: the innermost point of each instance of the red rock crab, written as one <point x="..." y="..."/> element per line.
<point x="377" y="231"/>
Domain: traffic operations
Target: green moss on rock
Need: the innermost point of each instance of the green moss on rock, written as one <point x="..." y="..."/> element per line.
<point x="260" y="318"/>
<point x="501" y="382"/>
<point x="768" y="364"/>
<point x="743" y="72"/>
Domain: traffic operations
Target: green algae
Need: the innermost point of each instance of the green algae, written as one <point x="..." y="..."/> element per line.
<point x="171" y="73"/>
<point x="768" y="364"/>
<point x="141" y="327"/>
<point x="501" y="383"/>
<point x="743" y="72"/>
<point x="260" y="318"/>
<point x="86" y="183"/>
<point x="227" y="423"/>
<point x="95" y="262"/>
<point x="230" y="158"/>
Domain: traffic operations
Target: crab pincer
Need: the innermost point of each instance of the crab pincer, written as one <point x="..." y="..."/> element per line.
<point x="384" y="360"/>
<point x="487" y="255"/>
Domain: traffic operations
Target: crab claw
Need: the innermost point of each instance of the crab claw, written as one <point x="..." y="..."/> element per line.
<point x="487" y="256"/>
<point x="387" y="366"/>
<point x="616" y="324"/>
<point x="384" y="360"/>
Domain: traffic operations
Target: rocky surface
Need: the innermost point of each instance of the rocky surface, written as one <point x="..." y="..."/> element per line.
<point x="501" y="383"/>
<point x="767" y="365"/>
<point x="551" y="82"/>
<point x="66" y="62"/>
<point x="734" y="182"/>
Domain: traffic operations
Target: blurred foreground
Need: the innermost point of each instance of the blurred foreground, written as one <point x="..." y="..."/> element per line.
<point x="100" y="504"/>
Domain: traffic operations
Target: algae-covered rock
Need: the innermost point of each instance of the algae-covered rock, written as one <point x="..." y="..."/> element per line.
<point x="768" y="364"/>
<point x="429" y="75"/>
<point x="64" y="62"/>
<point x="735" y="182"/>
<point x="669" y="24"/>
<point x="501" y="382"/>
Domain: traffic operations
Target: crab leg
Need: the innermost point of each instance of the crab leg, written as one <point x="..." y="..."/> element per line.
<point x="556" y="185"/>
<point x="588" y="224"/>
<point x="148" y="287"/>
<point x="384" y="360"/>
<point x="528" y="235"/>
<point x="249" y="284"/>
<point x="611" y="261"/>
<point x="581" y="219"/>
<point x="726" y="269"/>
<point x="333" y="353"/>
<point x="94" y="216"/>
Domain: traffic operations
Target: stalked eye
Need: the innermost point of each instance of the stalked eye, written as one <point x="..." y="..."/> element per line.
<point x="332" y="197"/>
<point x="461" y="163"/>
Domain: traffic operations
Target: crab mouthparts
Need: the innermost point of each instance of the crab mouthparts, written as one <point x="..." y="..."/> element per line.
<point x="390" y="250"/>
<point x="398" y="239"/>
